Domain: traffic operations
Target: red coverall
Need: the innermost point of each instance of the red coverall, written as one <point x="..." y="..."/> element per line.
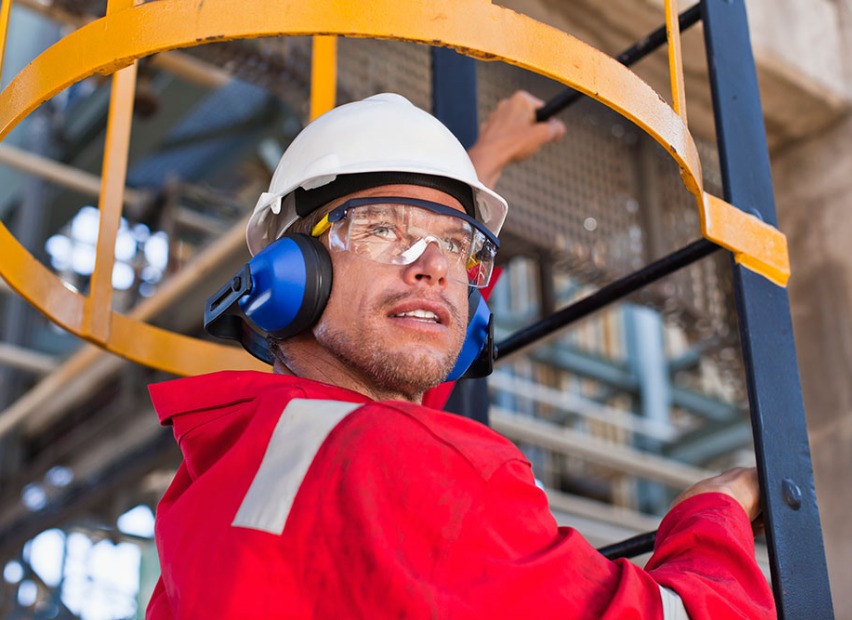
<point x="341" y="507"/>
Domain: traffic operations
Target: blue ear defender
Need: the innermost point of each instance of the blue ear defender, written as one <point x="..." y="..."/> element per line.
<point x="476" y="358"/>
<point x="283" y="290"/>
<point x="291" y="284"/>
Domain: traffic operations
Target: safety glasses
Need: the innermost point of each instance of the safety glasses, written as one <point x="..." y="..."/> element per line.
<point x="397" y="231"/>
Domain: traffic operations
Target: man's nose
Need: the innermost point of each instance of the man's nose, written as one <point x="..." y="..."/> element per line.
<point x="431" y="266"/>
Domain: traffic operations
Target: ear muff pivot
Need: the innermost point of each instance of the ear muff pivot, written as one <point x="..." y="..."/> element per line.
<point x="284" y="289"/>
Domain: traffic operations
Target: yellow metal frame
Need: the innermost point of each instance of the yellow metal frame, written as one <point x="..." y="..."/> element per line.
<point x="96" y="323"/>
<point x="5" y="12"/>
<point x="112" y="44"/>
<point x="675" y="56"/>
<point x="323" y="75"/>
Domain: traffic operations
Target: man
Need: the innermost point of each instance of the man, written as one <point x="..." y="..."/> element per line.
<point x="325" y="490"/>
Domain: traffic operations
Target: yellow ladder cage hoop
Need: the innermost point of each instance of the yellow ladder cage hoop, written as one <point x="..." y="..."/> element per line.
<point x="127" y="33"/>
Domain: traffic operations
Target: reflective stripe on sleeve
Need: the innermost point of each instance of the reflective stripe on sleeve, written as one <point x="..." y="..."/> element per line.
<point x="673" y="608"/>
<point x="300" y="432"/>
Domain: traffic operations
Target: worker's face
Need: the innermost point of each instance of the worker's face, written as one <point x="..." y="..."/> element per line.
<point x="400" y="326"/>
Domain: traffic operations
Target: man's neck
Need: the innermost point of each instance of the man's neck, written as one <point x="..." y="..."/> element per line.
<point x="302" y="359"/>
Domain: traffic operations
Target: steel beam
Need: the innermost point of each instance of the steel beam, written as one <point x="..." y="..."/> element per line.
<point x="797" y="558"/>
<point x="574" y="443"/>
<point x="22" y="358"/>
<point x="62" y="174"/>
<point x="454" y="93"/>
<point x="454" y="103"/>
<point x="86" y="493"/>
<point x="615" y="375"/>
<point x="710" y="442"/>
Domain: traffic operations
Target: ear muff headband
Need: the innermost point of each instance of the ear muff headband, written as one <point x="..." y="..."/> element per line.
<point x="284" y="289"/>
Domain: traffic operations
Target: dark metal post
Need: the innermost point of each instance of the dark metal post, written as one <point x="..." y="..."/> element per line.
<point x="454" y="93"/>
<point x="797" y="558"/>
<point x="454" y="104"/>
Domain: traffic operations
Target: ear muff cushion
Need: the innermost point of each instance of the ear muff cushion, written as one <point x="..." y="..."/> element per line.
<point x="291" y="284"/>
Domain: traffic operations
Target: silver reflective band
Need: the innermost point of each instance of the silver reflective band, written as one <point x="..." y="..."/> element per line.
<point x="673" y="608"/>
<point x="397" y="231"/>
<point x="299" y="434"/>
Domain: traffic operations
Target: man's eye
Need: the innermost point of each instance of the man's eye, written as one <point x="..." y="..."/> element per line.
<point x="382" y="231"/>
<point x="455" y="245"/>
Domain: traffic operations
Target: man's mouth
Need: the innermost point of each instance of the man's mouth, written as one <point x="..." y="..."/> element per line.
<point x="421" y="315"/>
<point x="428" y="313"/>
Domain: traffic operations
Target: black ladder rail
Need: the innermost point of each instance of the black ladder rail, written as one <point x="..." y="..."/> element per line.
<point x="790" y="511"/>
<point x="630" y="547"/>
<point x="606" y="295"/>
<point x="631" y="55"/>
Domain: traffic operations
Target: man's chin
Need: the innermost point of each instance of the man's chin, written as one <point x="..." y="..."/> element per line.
<point x="391" y="365"/>
<point x="415" y="370"/>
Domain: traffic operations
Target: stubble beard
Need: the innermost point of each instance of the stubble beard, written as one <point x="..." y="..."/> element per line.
<point x="407" y="370"/>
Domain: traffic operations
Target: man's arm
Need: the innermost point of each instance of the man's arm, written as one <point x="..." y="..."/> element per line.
<point x="739" y="483"/>
<point x="511" y="557"/>
<point x="511" y="134"/>
<point x="705" y="548"/>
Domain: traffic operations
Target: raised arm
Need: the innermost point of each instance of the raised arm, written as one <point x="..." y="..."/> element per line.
<point x="511" y="134"/>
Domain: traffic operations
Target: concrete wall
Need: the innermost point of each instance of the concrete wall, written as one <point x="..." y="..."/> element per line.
<point x="813" y="184"/>
<point x="805" y="47"/>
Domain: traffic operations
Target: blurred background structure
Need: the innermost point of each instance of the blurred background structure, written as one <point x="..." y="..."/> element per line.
<point x="616" y="413"/>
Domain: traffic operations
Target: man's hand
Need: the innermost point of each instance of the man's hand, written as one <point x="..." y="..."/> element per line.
<point x="510" y="134"/>
<point x="740" y="483"/>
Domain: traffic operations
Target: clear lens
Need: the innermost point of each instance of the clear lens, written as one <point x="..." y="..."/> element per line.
<point x="398" y="234"/>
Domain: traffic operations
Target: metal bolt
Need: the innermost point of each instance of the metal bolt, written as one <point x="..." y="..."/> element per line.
<point x="237" y="283"/>
<point x="792" y="494"/>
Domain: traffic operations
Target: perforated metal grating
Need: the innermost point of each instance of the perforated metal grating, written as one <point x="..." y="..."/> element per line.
<point x="367" y="67"/>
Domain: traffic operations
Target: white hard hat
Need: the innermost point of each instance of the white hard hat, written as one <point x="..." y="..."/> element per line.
<point x="381" y="134"/>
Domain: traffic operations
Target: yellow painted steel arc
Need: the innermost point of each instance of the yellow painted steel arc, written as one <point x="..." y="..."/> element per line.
<point x="117" y="40"/>
<point x="474" y="27"/>
<point x="130" y="336"/>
